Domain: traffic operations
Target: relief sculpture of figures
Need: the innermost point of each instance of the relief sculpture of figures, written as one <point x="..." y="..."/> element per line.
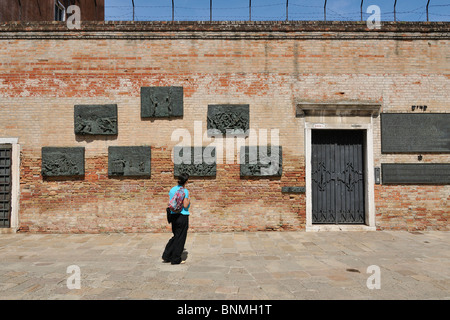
<point x="228" y="119"/>
<point x="96" y="119"/>
<point x="62" y="161"/>
<point x="129" y="161"/>
<point x="195" y="161"/>
<point x="261" y="161"/>
<point x="161" y="102"/>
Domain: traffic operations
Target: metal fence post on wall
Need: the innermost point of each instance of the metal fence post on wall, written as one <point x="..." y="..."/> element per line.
<point x="362" y="1"/>
<point x="210" y="10"/>
<point x="250" y="10"/>
<point x="173" y="15"/>
<point x="325" y="11"/>
<point x="20" y="10"/>
<point x="428" y="3"/>
<point x="132" y="2"/>
<point x="287" y="10"/>
<point x="395" y="5"/>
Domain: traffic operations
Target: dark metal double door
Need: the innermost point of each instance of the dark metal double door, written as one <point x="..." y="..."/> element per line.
<point x="5" y="186"/>
<point x="338" y="177"/>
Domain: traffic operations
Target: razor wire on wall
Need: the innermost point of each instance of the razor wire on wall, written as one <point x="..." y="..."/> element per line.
<point x="278" y="10"/>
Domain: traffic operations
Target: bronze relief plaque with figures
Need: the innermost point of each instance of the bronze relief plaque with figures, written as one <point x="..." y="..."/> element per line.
<point x="161" y="102"/>
<point x="195" y="161"/>
<point x="129" y="161"/>
<point x="62" y="162"/>
<point x="95" y="119"/>
<point x="228" y="119"/>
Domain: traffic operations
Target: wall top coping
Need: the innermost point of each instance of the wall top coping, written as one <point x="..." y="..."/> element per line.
<point x="225" y="29"/>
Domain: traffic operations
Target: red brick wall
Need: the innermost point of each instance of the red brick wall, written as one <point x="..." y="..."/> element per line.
<point x="97" y="203"/>
<point x="43" y="77"/>
<point x="412" y="207"/>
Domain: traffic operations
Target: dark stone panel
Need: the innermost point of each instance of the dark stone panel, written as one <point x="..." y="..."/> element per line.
<point x="95" y="119"/>
<point x="62" y="162"/>
<point x="196" y="161"/>
<point x="415" y="132"/>
<point x="410" y="173"/>
<point x="161" y="102"/>
<point x="293" y="189"/>
<point x="129" y="161"/>
<point x="228" y="118"/>
<point x="261" y="161"/>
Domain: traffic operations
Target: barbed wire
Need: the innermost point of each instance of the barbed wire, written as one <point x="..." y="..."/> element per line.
<point x="309" y="12"/>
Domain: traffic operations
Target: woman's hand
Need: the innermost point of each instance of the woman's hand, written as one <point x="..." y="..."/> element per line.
<point x="186" y="202"/>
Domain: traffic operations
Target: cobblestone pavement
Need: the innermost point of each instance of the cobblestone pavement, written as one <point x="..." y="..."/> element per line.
<point x="259" y="265"/>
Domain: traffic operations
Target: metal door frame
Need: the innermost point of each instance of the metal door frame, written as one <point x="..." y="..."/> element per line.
<point x="15" y="184"/>
<point x="368" y="176"/>
<point x="5" y="185"/>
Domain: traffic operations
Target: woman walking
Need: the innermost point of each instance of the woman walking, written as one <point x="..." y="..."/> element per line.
<point x="180" y="224"/>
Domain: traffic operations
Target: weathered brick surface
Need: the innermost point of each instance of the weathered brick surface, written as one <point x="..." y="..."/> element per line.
<point x="45" y="70"/>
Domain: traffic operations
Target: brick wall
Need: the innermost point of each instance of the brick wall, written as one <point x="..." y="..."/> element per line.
<point x="45" y="70"/>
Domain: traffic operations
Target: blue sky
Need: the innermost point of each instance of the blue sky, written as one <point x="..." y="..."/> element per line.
<point x="348" y="10"/>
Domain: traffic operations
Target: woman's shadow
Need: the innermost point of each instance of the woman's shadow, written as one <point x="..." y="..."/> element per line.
<point x="184" y="255"/>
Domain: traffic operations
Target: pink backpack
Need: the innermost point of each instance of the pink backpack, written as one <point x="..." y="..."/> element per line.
<point x="176" y="203"/>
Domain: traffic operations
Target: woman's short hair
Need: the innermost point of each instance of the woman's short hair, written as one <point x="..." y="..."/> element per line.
<point x="182" y="178"/>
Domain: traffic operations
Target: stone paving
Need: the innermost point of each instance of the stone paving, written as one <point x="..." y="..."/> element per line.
<point x="259" y="265"/>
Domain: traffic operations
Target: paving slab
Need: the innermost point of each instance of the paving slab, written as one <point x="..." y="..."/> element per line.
<point x="241" y="265"/>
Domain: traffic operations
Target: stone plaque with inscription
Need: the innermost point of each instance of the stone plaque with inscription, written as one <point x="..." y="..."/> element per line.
<point x="261" y="161"/>
<point x="195" y="161"/>
<point x="293" y="189"/>
<point x="228" y="119"/>
<point x="62" y="162"/>
<point x="411" y="173"/>
<point x="415" y="132"/>
<point x="129" y="161"/>
<point x="161" y="102"/>
<point x="95" y="119"/>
